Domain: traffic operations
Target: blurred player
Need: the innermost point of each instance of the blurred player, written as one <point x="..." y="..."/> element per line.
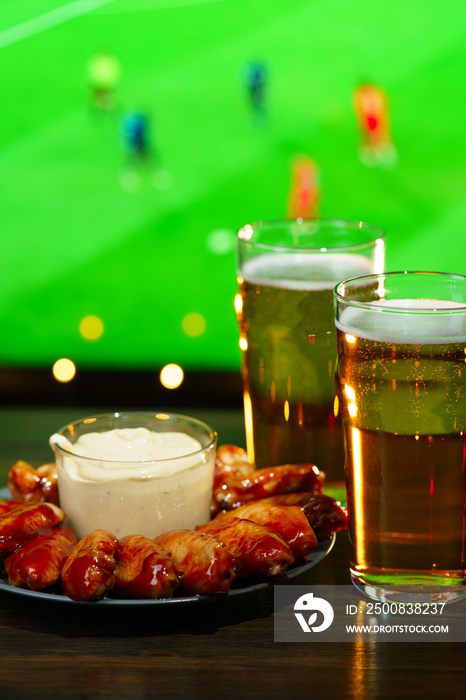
<point x="303" y="201"/>
<point x="141" y="157"/>
<point x="104" y="72"/>
<point x="371" y="106"/>
<point x="256" y="81"/>
<point x="134" y="130"/>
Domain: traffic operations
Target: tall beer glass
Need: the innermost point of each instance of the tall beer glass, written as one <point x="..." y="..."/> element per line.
<point x="401" y="380"/>
<point x="287" y="271"/>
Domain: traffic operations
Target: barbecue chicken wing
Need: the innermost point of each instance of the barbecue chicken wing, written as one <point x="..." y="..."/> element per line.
<point x="30" y="485"/>
<point x="324" y="514"/>
<point x="144" y="569"/>
<point x="23" y="482"/>
<point x="29" y="519"/>
<point x="38" y="563"/>
<point x="205" y="564"/>
<point x="260" y="552"/>
<point x="6" y="505"/>
<point x="289" y="521"/>
<point x="287" y="478"/>
<point x="231" y="462"/>
<point x="88" y="571"/>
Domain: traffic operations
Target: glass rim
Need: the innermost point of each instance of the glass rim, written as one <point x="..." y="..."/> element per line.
<point x="379" y="234"/>
<point x="459" y="308"/>
<point x="161" y="415"/>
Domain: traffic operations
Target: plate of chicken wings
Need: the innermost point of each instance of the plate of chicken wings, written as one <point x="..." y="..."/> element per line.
<point x="267" y="526"/>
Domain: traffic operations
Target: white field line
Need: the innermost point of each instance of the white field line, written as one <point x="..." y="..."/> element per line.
<point x="62" y="14"/>
<point x="152" y="5"/>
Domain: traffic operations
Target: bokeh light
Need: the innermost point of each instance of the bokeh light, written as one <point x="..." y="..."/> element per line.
<point x="193" y="324"/>
<point x="221" y="241"/>
<point x="171" y="376"/>
<point x="64" y="370"/>
<point x="91" y="327"/>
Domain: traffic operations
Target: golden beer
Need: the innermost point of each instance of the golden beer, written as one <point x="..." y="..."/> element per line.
<point x="401" y="381"/>
<point x="285" y="314"/>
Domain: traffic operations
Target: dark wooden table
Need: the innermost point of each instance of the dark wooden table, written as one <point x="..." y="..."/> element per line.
<point x="222" y="650"/>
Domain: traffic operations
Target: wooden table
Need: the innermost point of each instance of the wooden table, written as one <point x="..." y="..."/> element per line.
<point x="222" y="650"/>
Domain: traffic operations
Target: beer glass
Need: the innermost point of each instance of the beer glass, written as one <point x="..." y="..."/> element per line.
<point x="286" y="274"/>
<point x="401" y="382"/>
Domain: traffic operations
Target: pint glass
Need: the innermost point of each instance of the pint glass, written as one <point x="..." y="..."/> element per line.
<point x="401" y="381"/>
<point x="287" y="271"/>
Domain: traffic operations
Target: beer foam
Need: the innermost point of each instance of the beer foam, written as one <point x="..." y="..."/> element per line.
<point x="413" y="321"/>
<point x="308" y="271"/>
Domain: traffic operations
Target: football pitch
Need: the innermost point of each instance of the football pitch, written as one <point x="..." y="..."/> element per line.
<point x="151" y="253"/>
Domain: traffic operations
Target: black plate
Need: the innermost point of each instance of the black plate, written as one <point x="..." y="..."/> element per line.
<point x="323" y="548"/>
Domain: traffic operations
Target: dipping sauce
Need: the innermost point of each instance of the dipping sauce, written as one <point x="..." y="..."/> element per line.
<point x="134" y="480"/>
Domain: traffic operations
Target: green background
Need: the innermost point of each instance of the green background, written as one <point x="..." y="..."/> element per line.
<point x="73" y="242"/>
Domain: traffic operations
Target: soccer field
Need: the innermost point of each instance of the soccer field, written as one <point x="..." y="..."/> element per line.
<point x="153" y="257"/>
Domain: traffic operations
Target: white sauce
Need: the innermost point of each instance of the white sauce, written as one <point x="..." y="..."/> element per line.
<point x="134" y="481"/>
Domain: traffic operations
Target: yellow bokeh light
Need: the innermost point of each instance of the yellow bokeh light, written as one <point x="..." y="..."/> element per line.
<point x="171" y="376"/>
<point x="91" y="327"/>
<point x="193" y="324"/>
<point x="350" y="338"/>
<point x="243" y="343"/>
<point x="64" y="370"/>
<point x="238" y="303"/>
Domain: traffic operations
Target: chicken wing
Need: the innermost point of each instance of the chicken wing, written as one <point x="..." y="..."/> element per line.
<point x="31" y="485"/>
<point x="289" y="521"/>
<point x="144" y="569"/>
<point x="260" y="552"/>
<point x="38" y="563"/>
<point x="205" y="564"/>
<point x="88" y="572"/>
<point x="29" y="519"/>
<point x="7" y="505"/>
<point x="324" y="514"/>
<point x="260" y="483"/>
<point x="231" y="462"/>
<point x="49" y="483"/>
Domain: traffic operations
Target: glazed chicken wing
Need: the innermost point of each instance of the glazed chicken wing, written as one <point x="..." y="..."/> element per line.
<point x="38" y="563"/>
<point x="31" y="485"/>
<point x="49" y="483"/>
<point x="324" y="513"/>
<point x="144" y="569"/>
<point x="261" y="483"/>
<point x="260" y="552"/>
<point x="205" y="564"/>
<point x="231" y="462"/>
<point x="29" y="519"/>
<point x="7" y="505"/>
<point x="289" y="521"/>
<point x="88" y="571"/>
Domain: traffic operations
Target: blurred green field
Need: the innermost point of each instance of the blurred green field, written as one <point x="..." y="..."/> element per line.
<point x="74" y="243"/>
